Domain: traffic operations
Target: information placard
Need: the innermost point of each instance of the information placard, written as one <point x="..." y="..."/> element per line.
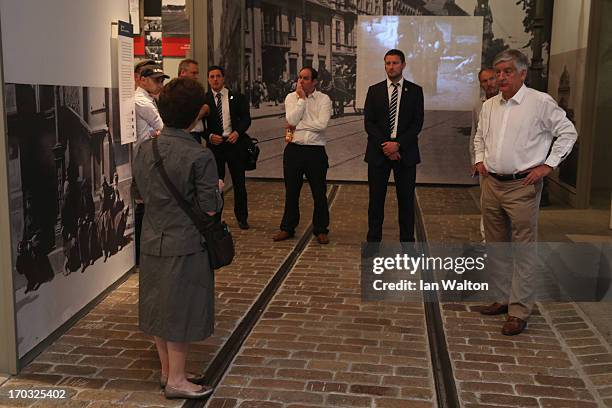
<point x="125" y="58"/>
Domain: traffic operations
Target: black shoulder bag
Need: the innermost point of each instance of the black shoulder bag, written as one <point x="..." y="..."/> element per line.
<point x="219" y="241"/>
<point x="252" y="153"/>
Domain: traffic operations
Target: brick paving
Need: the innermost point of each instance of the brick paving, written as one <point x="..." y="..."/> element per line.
<point x="104" y="359"/>
<point x="559" y="361"/>
<point x="318" y="345"/>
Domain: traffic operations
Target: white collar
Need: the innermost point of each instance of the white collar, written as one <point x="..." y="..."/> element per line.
<point x="517" y="97"/>
<point x="222" y="92"/>
<point x="145" y="93"/>
<point x="400" y="82"/>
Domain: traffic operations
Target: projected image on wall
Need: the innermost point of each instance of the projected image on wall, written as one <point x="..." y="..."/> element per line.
<point x="442" y="56"/>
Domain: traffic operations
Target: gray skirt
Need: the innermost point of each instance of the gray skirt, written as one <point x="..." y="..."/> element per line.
<point x="176" y="297"/>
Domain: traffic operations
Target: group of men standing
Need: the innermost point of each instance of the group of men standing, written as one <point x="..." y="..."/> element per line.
<point x="520" y="136"/>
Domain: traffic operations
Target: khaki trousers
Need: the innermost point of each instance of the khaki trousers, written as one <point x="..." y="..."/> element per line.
<point x="510" y="214"/>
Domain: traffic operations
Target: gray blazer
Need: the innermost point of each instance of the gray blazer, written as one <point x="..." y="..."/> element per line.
<point x="166" y="229"/>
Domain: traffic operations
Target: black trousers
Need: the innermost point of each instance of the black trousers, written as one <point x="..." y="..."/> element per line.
<point x="138" y="216"/>
<point x="378" y="178"/>
<point x="234" y="159"/>
<point x="309" y="161"/>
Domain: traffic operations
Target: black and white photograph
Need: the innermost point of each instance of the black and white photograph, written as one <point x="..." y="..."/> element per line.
<point x="152" y="24"/>
<point x="281" y="37"/>
<point x="175" y="18"/>
<point x="70" y="199"/>
<point x="153" y="38"/>
<point x="154" y="53"/>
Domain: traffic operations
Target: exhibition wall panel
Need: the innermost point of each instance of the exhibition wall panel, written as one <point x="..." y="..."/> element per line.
<point x="69" y="175"/>
<point x="59" y="42"/>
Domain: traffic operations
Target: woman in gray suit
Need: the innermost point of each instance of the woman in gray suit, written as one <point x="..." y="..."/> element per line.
<point x="176" y="283"/>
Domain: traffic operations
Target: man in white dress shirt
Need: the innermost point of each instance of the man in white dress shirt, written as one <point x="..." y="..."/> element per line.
<point x="148" y="121"/>
<point x="513" y="153"/>
<point x="307" y="112"/>
<point x="148" y="124"/>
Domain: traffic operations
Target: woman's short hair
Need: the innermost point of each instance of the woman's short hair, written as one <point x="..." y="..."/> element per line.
<point x="180" y="102"/>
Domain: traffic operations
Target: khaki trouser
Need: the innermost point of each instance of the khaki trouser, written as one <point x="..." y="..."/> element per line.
<point x="510" y="214"/>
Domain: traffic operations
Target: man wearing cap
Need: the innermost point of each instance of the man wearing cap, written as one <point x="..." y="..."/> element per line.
<point x="148" y="121"/>
<point x="138" y="67"/>
<point x="148" y="124"/>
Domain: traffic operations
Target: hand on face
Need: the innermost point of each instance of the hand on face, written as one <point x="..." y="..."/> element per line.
<point x="299" y="89"/>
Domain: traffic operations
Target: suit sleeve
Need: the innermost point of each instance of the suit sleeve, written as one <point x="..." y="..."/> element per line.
<point x="206" y="121"/>
<point x="410" y="136"/>
<point x="243" y="119"/>
<point x="370" y="121"/>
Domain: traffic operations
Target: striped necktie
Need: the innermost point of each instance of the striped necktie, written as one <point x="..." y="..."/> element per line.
<point x="393" y="108"/>
<point x="220" y="110"/>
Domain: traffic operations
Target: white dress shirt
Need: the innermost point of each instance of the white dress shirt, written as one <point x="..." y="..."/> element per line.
<point x="399" y="98"/>
<point x="475" y="115"/>
<point x="199" y="127"/>
<point x="227" y="120"/>
<point x="310" y="117"/>
<point x="515" y="135"/>
<point x="148" y="121"/>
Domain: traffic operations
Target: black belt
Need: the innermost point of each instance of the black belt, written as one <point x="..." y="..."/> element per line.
<point x="509" y="177"/>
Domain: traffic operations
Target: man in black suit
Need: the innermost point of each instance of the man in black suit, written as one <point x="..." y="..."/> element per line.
<point x="393" y="119"/>
<point x="225" y="133"/>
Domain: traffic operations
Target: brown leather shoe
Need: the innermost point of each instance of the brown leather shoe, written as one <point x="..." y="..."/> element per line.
<point x="322" y="238"/>
<point x="513" y="326"/>
<point x="494" y="309"/>
<point x="281" y="236"/>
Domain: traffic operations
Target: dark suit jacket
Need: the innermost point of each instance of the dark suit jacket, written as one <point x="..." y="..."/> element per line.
<point x="409" y="123"/>
<point x="239" y="115"/>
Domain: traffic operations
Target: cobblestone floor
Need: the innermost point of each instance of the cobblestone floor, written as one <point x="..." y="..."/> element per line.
<point x="317" y="344"/>
<point x="105" y="360"/>
<point x="559" y="361"/>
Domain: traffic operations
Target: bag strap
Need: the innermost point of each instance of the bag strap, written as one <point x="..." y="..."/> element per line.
<point x="159" y="164"/>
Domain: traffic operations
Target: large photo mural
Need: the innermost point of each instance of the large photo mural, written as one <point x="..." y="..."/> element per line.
<point x="70" y="202"/>
<point x="69" y="175"/>
<point x="282" y="36"/>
